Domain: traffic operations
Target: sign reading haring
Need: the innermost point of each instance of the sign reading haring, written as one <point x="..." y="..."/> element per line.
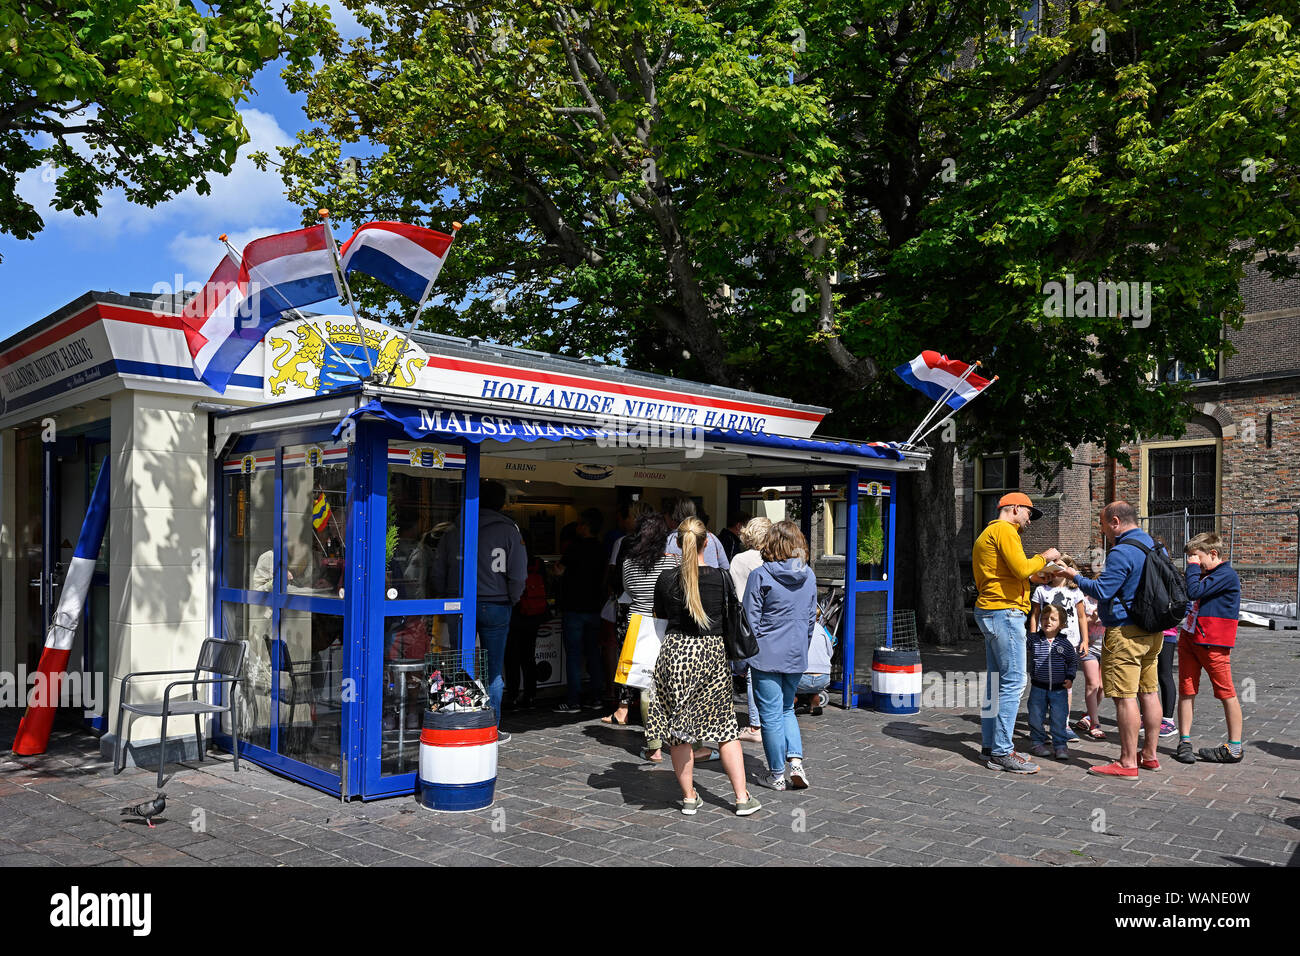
<point x="321" y="353"/>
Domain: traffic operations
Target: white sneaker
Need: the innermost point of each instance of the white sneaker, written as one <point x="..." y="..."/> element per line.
<point x="775" y="781"/>
<point x="798" y="776"/>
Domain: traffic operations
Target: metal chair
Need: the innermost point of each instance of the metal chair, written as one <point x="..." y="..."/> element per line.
<point x="222" y="658"/>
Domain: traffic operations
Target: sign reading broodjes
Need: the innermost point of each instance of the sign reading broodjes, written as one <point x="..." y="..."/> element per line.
<point x="311" y="356"/>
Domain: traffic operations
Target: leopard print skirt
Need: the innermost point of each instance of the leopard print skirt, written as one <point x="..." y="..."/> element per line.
<point x="693" y="698"/>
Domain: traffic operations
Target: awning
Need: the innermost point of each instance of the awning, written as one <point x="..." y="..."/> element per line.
<point x="429" y="422"/>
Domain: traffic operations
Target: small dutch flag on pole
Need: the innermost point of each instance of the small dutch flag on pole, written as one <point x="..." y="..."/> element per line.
<point x="948" y="381"/>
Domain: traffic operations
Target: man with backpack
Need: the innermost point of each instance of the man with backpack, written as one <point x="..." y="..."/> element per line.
<point x="1129" y="592"/>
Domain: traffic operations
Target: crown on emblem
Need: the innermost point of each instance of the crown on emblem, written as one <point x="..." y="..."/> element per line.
<point x="339" y="332"/>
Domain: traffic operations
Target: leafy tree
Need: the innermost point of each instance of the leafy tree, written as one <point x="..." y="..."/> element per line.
<point x="139" y="96"/>
<point x="799" y="195"/>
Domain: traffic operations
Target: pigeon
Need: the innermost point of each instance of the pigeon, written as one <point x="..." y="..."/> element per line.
<point x="147" y="810"/>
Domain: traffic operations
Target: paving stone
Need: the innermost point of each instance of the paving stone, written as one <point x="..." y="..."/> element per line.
<point x="887" y="791"/>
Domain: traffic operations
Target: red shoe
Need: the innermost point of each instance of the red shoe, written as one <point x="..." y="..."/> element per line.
<point x="1114" y="770"/>
<point x="1152" y="764"/>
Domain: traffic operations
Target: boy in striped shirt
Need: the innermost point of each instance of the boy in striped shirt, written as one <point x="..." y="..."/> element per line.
<point x="1052" y="666"/>
<point x="1205" y="639"/>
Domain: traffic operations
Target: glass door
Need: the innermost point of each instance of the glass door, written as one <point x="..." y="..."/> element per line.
<point x="417" y="614"/>
<point x="284" y="509"/>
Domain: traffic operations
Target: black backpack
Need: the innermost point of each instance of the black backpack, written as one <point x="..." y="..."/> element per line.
<point x="1160" y="601"/>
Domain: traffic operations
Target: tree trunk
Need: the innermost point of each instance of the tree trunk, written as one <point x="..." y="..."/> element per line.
<point x="929" y="555"/>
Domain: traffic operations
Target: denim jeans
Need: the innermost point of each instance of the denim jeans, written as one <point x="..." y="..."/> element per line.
<point x="755" y="719"/>
<point x="1005" y="677"/>
<point x="775" y="696"/>
<point x="1048" y="702"/>
<point x="493" y="629"/>
<point x="581" y="632"/>
<point x="813" y="683"/>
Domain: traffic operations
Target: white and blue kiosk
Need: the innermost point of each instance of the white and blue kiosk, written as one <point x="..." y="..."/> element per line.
<point x="333" y="538"/>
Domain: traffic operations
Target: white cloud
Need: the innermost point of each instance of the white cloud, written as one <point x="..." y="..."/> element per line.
<point x="197" y="255"/>
<point x="244" y="197"/>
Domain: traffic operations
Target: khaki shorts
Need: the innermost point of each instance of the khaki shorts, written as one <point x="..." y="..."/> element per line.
<point x="1130" y="659"/>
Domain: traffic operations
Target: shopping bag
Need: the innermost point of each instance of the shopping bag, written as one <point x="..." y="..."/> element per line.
<point x="636" y="663"/>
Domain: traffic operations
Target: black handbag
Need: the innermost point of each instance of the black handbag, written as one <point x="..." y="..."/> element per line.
<point x="736" y="634"/>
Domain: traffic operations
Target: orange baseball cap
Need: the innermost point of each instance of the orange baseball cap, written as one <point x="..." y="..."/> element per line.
<point x="1019" y="498"/>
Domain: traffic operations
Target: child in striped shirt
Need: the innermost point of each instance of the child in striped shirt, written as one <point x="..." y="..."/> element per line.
<point x="1053" y="663"/>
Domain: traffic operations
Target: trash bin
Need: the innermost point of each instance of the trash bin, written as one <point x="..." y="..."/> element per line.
<point x="458" y="759"/>
<point x="896" y="681"/>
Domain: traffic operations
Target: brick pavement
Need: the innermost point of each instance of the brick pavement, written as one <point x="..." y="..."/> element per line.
<point x="572" y="792"/>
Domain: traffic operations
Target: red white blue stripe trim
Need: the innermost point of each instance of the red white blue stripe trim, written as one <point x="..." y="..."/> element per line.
<point x="337" y="455"/>
<point x="426" y="456"/>
<point x="248" y="464"/>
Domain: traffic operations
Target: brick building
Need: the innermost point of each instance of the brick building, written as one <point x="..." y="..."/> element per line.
<point x="1236" y="459"/>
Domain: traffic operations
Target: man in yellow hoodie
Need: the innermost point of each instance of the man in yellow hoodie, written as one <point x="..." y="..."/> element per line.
<point x="1002" y="574"/>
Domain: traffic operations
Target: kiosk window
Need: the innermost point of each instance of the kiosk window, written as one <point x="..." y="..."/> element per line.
<point x="251" y="623"/>
<point x="248" y="520"/>
<point x="315" y="490"/>
<point x="426" y="495"/>
<point x="311" y="688"/>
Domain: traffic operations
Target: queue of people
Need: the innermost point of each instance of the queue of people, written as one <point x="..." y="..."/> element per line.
<point x="669" y="566"/>
<point x="1102" y="625"/>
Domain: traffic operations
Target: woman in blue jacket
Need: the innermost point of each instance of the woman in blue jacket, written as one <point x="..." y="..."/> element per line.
<point x="780" y="604"/>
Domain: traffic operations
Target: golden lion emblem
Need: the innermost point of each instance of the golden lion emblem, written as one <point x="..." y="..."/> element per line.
<point x="390" y="361"/>
<point x="288" y="364"/>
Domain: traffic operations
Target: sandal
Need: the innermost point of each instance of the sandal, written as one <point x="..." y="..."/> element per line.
<point x="610" y="720"/>
<point x="1084" y="726"/>
<point x="657" y="758"/>
<point x="714" y="754"/>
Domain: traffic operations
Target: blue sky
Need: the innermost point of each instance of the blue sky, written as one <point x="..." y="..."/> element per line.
<point x="133" y="248"/>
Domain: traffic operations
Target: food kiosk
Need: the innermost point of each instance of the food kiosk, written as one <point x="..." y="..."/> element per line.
<point x="321" y="519"/>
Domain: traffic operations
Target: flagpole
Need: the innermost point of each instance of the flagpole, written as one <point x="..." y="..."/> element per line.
<point x="946" y="395"/>
<point x="954" y="412"/>
<point x="347" y="291"/>
<point x="237" y="259"/>
<point x="406" y="335"/>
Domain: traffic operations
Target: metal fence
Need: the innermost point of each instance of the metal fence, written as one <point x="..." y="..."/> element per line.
<point x="1262" y="546"/>
<point x="875" y="629"/>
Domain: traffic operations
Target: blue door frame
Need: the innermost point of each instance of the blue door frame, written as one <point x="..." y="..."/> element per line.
<point x="279" y="600"/>
<point x="370" y="583"/>
<point x="852" y="586"/>
<point x="363" y="607"/>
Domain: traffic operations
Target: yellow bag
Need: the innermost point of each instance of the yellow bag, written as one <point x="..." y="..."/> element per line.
<point x="636" y="662"/>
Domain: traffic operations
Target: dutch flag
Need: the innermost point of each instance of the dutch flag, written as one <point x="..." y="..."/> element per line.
<point x="936" y="375"/>
<point x="240" y="303"/>
<point x="34" y="730"/>
<point x="403" y="257"/>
